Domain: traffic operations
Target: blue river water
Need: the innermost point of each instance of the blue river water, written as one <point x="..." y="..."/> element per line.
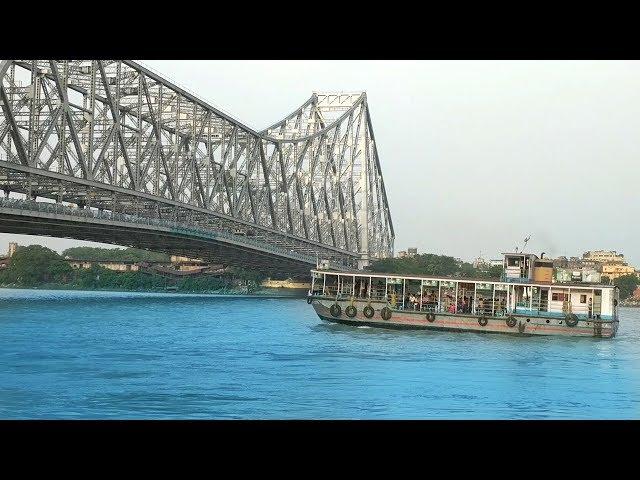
<point x="99" y="355"/>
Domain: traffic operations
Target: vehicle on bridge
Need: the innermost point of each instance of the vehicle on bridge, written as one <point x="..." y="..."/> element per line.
<point x="525" y="301"/>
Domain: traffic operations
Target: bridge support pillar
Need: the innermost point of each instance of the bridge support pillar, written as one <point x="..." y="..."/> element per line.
<point x="364" y="261"/>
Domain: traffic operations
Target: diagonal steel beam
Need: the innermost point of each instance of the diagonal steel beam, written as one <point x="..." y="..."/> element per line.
<point x="156" y="130"/>
<point x="15" y="134"/>
<point x="116" y="118"/>
<point x="72" y="126"/>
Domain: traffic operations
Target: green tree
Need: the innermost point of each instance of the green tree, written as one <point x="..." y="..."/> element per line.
<point x="430" y="264"/>
<point x="60" y="271"/>
<point x="35" y="264"/>
<point x="250" y="278"/>
<point x="627" y="284"/>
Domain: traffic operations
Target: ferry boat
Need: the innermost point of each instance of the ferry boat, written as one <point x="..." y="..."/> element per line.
<point x="525" y="301"/>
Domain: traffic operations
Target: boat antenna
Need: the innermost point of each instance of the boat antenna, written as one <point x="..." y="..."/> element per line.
<point x="525" y="242"/>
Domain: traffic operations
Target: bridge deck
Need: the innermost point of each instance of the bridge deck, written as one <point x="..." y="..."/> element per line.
<point x="17" y="217"/>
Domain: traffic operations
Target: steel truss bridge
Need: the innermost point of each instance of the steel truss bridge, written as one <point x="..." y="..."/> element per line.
<point x="112" y="152"/>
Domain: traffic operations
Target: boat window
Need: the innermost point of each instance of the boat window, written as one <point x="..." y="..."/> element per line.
<point x="513" y="262"/>
<point x="412" y="294"/>
<point x="331" y="284"/>
<point x="318" y="282"/>
<point x="346" y="285"/>
<point x="583" y="299"/>
<point x="394" y="291"/>
<point x="362" y="287"/>
<point x="377" y="288"/>
<point x="560" y="297"/>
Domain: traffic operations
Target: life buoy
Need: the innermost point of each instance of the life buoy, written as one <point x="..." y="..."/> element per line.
<point x="309" y="300"/>
<point x="431" y="317"/>
<point x="482" y="321"/>
<point x="511" y="321"/>
<point x="335" y="310"/>
<point x="385" y="313"/>
<point x="368" y="311"/>
<point x="571" y="320"/>
<point x="351" y="311"/>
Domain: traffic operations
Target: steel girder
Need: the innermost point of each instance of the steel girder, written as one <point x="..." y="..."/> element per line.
<point x="311" y="182"/>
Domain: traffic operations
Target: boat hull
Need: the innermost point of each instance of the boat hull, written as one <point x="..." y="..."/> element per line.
<point x="415" y="320"/>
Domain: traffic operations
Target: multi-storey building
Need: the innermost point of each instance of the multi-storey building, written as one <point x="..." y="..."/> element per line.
<point x="615" y="270"/>
<point x="603" y="256"/>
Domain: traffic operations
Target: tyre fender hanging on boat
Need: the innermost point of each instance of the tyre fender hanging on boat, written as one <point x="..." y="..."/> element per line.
<point x="511" y="321"/>
<point x="385" y="313"/>
<point x="571" y="320"/>
<point x="309" y="299"/>
<point x="482" y="321"/>
<point x="335" y="310"/>
<point x="368" y="311"/>
<point x="351" y="311"/>
<point x="431" y="317"/>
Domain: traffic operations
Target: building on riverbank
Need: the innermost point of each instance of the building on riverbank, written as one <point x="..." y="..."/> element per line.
<point x="178" y="267"/>
<point x="289" y="283"/>
<point x="615" y="270"/>
<point x="115" y="265"/>
<point x="6" y="260"/>
<point x="603" y="256"/>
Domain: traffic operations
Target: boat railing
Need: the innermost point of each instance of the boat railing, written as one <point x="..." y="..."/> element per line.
<point x="497" y="308"/>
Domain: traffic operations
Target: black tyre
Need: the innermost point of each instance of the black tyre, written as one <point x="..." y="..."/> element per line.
<point x="511" y="321"/>
<point x="368" y="311"/>
<point x="309" y="300"/>
<point x="431" y="317"/>
<point x="571" y="320"/>
<point x="351" y="311"/>
<point x="335" y="310"/>
<point x="482" y="321"/>
<point x="385" y="313"/>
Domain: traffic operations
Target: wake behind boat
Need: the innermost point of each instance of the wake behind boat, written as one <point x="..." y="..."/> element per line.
<point x="526" y="301"/>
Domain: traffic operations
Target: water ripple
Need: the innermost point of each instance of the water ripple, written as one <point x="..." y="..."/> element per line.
<point x="66" y="354"/>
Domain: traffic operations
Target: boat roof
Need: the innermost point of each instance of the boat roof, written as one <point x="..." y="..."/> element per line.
<point x="462" y="279"/>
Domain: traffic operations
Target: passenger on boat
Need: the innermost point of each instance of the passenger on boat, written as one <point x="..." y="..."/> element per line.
<point x="414" y="301"/>
<point x="452" y="308"/>
<point x="503" y="306"/>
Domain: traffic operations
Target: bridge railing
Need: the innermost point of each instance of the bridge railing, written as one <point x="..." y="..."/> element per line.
<point x="177" y="227"/>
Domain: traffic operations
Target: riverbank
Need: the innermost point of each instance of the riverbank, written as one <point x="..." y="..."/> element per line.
<point x="224" y="292"/>
<point x="630" y="303"/>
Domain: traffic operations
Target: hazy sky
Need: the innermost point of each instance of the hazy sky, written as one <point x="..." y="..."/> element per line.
<point x="476" y="155"/>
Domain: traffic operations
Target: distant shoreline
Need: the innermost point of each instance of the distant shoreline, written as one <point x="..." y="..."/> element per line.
<point x="630" y="305"/>
<point x="263" y="293"/>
